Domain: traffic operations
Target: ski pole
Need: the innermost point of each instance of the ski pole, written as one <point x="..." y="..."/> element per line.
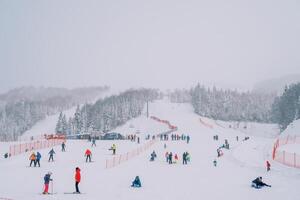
<point x="52" y="187"/>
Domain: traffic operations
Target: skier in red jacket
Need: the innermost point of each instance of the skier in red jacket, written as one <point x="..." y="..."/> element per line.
<point x="77" y="179"/>
<point x="88" y="154"/>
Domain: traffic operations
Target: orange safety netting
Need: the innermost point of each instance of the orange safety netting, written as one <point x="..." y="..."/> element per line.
<point x="286" y="158"/>
<point x="118" y="159"/>
<point x="33" y="145"/>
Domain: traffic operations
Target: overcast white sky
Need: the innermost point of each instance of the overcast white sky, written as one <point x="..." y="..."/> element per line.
<point x="165" y="44"/>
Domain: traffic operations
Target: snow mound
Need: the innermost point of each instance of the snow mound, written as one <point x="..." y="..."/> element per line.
<point x="293" y="129"/>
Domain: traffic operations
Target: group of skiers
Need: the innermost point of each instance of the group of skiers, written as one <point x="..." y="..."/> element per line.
<point x="47" y="179"/>
<point x="165" y="137"/>
<point x="35" y="159"/>
<point x="173" y="159"/>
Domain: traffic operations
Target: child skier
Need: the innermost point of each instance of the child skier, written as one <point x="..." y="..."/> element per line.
<point x="175" y="158"/>
<point x="88" y="154"/>
<point x="47" y="179"/>
<point x="51" y="153"/>
<point x="268" y="165"/>
<point x="77" y="179"/>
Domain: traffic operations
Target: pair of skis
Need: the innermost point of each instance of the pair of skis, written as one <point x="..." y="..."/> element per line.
<point x="63" y="193"/>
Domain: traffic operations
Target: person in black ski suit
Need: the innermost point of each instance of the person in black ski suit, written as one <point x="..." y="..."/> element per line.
<point x="258" y="183"/>
<point x="184" y="158"/>
<point x="63" y="147"/>
<point x="51" y="153"/>
<point x="170" y="158"/>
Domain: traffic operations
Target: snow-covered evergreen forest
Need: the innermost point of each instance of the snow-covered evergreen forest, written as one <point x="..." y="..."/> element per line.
<point x="107" y="113"/>
<point x="21" y="108"/>
<point x="286" y="108"/>
<point x="227" y="105"/>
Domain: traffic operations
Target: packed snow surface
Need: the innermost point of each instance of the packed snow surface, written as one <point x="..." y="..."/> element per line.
<point x="231" y="179"/>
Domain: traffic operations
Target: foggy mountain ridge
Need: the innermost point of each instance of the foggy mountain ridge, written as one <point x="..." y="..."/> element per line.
<point x="30" y="93"/>
<point x="276" y="85"/>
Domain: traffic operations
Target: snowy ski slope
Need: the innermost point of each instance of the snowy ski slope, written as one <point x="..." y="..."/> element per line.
<point x="161" y="181"/>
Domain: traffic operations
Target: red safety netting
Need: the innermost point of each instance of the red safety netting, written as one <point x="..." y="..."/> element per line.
<point x="172" y="127"/>
<point x="118" y="159"/>
<point x="206" y="123"/>
<point x="33" y="145"/>
<point x="286" y="158"/>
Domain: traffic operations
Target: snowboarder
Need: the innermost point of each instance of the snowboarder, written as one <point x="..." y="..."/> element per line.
<point x="138" y="140"/>
<point x="136" y="182"/>
<point x="51" y="153"/>
<point x="93" y="142"/>
<point x="63" y="147"/>
<point x="77" y="179"/>
<point x="47" y="179"/>
<point x="88" y="154"/>
<point x="38" y="158"/>
<point x="258" y="183"/>
<point x="32" y="159"/>
<point x="268" y="165"/>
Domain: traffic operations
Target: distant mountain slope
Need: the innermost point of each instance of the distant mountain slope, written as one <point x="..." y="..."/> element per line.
<point x="46" y="93"/>
<point x="276" y="85"/>
<point x="22" y="108"/>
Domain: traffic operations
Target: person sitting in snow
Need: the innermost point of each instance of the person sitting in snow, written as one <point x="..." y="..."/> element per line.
<point x="136" y="182"/>
<point x="258" y="183"/>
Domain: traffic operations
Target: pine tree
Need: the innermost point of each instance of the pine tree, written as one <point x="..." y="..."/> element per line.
<point x="58" y="128"/>
<point x="64" y="125"/>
